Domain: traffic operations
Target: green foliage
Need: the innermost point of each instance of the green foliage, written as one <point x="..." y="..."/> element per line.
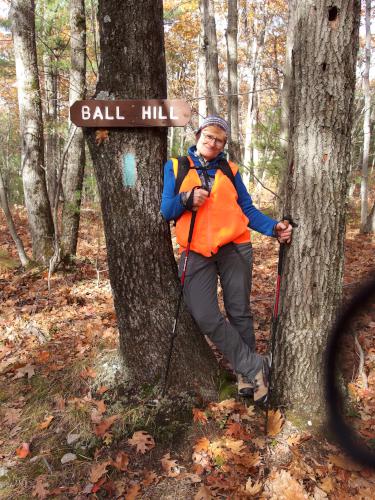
<point x="267" y="142"/>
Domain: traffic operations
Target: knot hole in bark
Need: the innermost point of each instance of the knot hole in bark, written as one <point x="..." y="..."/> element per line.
<point x="324" y="66"/>
<point x="333" y="13"/>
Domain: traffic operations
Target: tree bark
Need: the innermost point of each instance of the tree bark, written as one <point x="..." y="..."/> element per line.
<point x="366" y="121"/>
<point x="31" y="129"/>
<point x="231" y="37"/>
<point x="212" y="65"/>
<point x="75" y="162"/>
<point x="128" y="168"/>
<point x="12" y="228"/>
<point x="201" y="71"/>
<point x="324" y="50"/>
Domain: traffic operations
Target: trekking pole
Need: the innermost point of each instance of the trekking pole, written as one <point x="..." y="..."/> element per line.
<point x="182" y="281"/>
<point x="275" y="315"/>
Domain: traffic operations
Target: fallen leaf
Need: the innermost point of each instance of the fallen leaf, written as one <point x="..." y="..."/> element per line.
<point x="40" y="490"/>
<point x="23" y="451"/>
<point x="171" y="467"/>
<point x="43" y="357"/>
<point x="253" y="488"/>
<point x="344" y="463"/>
<point x="96" y="487"/>
<point x="12" y="416"/>
<point x="46" y="423"/>
<point x="100" y="406"/>
<point x="203" y="493"/>
<point x="101" y="135"/>
<point x="236" y="430"/>
<point x="234" y="445"/>
<point x="327" y="484"/>
<point x="199" y="416"/>
<point x="28" y="370"/>
<point x="105" y="424"/>
<point x="98" y="470"/>
<point x="143" y="441"/>
<point x="88" y="373"/>
<point x="150" y="478"/>
<point x="275" y="422"/>
<point x="68" y="457"/>
<point x="121" y="461"/>
<point x="283" y="485"/>
<point x="294" y="440"/>
<point x="133" y="492"/>
<point x="102" y="389"/>
<point x="201" y="445"/>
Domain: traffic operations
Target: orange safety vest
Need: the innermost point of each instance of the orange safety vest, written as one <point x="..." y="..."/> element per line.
<point x="219" y="221"/>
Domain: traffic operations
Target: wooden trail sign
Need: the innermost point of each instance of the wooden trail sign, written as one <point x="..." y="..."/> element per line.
<point x="130" y="113"/>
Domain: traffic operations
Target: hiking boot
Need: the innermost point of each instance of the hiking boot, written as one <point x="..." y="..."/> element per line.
<point x="244" y="386"/>
<point x="261" y="381"/>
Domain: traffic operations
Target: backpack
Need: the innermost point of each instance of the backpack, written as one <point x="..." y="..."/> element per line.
<point x="184" y="167"/>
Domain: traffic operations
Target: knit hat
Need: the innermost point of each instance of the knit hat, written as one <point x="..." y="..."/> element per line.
<point x="214" y="121"/>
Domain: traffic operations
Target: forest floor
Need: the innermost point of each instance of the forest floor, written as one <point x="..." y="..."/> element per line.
<point x="66" y="434"/>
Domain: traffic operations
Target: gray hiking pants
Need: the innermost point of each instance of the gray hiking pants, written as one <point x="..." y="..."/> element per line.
<point x="234" y="337"/>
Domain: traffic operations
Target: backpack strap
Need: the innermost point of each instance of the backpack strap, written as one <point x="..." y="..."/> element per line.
<point x="181" y="166"/>
<point x="224" y="166"/>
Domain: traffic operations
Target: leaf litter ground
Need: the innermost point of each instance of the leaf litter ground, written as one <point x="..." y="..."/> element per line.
<point x="67" y="432"/>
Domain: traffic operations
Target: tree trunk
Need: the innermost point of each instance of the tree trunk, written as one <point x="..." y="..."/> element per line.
<point x="201" y="70"/>
<point x="370" y="223"/>
<point x="284" y="117"/>
<point x="75" y="162"/>
<point x="366" y="122"/>
<point x="231" y="37"/>
<point x="257" y="46"/>
<point x="128" y="168"/>
<point x="51" y="143"/>
<point x="324" y="49"/>
<point x="12" y="228"/>
<point x="212" y="66"/>
<point x="31" y="129"/>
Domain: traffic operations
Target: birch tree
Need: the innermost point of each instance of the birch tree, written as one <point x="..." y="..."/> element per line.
<point x="231" y="38"/>
<point x="22" y="14"/>
<point x="75" y="161"/>
<point x="320" y="121"/>
<point x="210" y="46"/>
<point x="366" y="121"/>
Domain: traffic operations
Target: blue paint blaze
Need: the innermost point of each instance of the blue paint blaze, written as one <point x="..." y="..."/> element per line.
<point x="129" y="171"/>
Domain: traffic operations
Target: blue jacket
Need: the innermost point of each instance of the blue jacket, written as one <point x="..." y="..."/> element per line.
<point x="172" y="208"/>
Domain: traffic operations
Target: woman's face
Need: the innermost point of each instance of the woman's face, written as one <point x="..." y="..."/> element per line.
<point x="211" y="142"/>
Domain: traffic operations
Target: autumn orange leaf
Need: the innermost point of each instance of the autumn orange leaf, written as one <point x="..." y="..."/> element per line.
<point x="101" y="135"/>
<point x="88" y="373"/>
<point x="143" y="441"/>
<point x="236" y="430"/>
<point x="275" y="422"/>
<point x="43" y="357"/>
<point x="199" y="416"/>
<point x="46" y="423"/>
<point x="98" y="485"/>
<point x="133" y="492"/>
<point x="98" y="470"/>
<point x="105" y="424"/>
<point x="201" y="445"/>
<point x="170" y="466"/>
<point x="203" y="493"/>
<point x="150" y="478"/>
<point x="102" y="389"/>
<point x="121" y="461"/>
<point x="23" y="451"/>
<point x="100" y="406"/>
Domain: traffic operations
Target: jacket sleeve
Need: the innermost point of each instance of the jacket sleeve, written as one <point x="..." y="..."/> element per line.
<point x="257" y="220"/>
<point x="171" y="206"/>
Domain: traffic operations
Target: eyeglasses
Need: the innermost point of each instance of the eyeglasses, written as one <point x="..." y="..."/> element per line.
<point x="214" y="140"/>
